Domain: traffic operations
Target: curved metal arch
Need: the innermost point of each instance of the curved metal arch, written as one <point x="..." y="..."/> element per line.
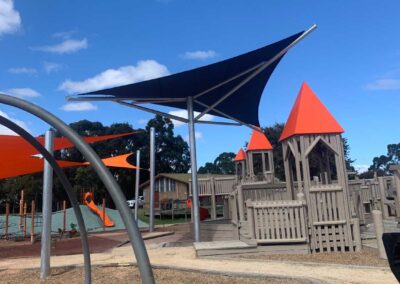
<point x="65" y="183"/>
<point x="104" y="174"/>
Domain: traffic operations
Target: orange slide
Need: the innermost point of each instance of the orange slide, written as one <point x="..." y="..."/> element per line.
<point x="89" y="203"/>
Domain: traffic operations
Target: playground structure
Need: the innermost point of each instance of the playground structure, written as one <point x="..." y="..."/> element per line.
<point x="107" y="222"/>
<point x="318" y="206"/>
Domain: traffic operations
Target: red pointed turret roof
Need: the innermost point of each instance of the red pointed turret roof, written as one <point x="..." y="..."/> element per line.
<point x="258" y="141"/>
<point x="309" y="116"/>
<point x="240" y="156"/>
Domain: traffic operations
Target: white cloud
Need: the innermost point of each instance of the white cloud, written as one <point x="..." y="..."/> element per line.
<point x="51" y="67"/>
<point x="22" y="93"/>
<point x="199" y="54"/>
<point x="143" y="121"/>
<point x="81" y="106"/>
<point x="10" y="20"/>
<point x="198" y="135"/>
<point x="361" y="168"/>
<point x="384" y="84"/>
<point x="184" y="114"/>
<point x="22" y="70"/>
<point x="5" y="131"/>
<point x="144" y="70"/>
<point x="67" y="46"/>
<point x="64" y="35"/>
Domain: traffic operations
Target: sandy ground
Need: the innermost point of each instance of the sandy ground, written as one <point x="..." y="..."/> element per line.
<point x="130" y="275"/>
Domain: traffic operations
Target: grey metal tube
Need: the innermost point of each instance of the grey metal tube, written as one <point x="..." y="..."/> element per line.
<point x="67" y="186"/>
<point x="47" y="199"/>
<point x="137" y="183"/>
<point x="152" y="178"/>
<point x="103" y="173"/>
<point x="193" y="165"/>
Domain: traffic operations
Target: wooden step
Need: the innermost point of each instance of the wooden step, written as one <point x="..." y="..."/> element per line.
<point x="223" y="248"/>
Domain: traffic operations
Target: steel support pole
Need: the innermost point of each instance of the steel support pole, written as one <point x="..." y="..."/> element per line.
<point x="152" y="177"/>
<point x="137" y="183"/>
<point x="47" y="208"/>
<point x="193" y="164"/>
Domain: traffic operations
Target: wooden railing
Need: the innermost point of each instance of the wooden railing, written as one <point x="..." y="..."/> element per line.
<point x="272" y="222"/>
<point x="214" y="186"/>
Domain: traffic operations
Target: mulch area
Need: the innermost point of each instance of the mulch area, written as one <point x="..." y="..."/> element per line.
<point x="97" y="243"/>
<point x="130" y="275"/>
<point x="367" y="257"/>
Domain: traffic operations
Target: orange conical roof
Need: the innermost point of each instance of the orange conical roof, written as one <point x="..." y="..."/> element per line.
<point x="258" y="141"/>
<point x="240" y="156"/>
<point x="309" y="116"/>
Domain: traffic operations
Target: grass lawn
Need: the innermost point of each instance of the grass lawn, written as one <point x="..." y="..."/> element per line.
<point x="165" y="219"/>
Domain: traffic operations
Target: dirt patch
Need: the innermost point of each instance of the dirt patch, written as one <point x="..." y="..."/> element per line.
<point x="367" y="257"/>
<point x="129" y="275"/>
<point x="10" y="249"/>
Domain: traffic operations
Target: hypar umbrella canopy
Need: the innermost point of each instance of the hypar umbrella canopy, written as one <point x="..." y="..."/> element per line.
<point x="231" y="88"/>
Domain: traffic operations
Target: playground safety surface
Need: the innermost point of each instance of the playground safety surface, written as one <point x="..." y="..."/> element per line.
<point x="176" y="259"/>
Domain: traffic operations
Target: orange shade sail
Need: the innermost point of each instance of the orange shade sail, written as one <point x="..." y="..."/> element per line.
<point x="240" y="156"/>
<point x="16" y="154"/>
<point x="118" y="162"/>
<point x="16" y="145"/>
<point x="258" y="141"/>
<point x="27" y="165"/>
<point x="309" y="116"/>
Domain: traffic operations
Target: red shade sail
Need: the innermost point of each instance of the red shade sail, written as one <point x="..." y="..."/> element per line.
<point x="309" y="116"/>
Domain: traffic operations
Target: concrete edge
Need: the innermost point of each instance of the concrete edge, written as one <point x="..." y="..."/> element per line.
<point x="339" y="265"/>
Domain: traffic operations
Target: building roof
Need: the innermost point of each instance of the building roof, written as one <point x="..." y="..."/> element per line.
<point x="240" y="156"/>
<point x="258" y="141"/>
<point x="309" y="116"/>
<point x="182" y="177"/>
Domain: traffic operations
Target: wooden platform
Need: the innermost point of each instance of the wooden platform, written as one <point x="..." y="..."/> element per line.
<point x="239" y="247"/>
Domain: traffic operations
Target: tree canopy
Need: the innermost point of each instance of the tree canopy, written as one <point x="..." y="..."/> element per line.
<point x="223" y="164"/>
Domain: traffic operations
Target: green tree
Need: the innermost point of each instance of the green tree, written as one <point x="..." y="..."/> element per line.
<point x="223" y="164"/>
<point x="273" y="133"/>
<point x="380" y="164"/>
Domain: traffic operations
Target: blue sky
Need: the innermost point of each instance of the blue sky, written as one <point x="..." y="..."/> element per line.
<point x="49" y="49"/>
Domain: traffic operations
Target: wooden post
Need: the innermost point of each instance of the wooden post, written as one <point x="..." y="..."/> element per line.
<point x="240" y="203"/>
<point x="32" y="221"/>
<point x="24" y="228"/>
<point x="379" y="230"/>
<point x="104" y="214"/>
<point x="21" y="208"/>
<point x="382" y="190"/>
<point x="226" y="207"/>
<point x="7" y="213"/>
<point x="65" y="216"/>
<point x="213" y="202"/>
<point x="356" y="233"/>
<point x="250" y="219"/>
